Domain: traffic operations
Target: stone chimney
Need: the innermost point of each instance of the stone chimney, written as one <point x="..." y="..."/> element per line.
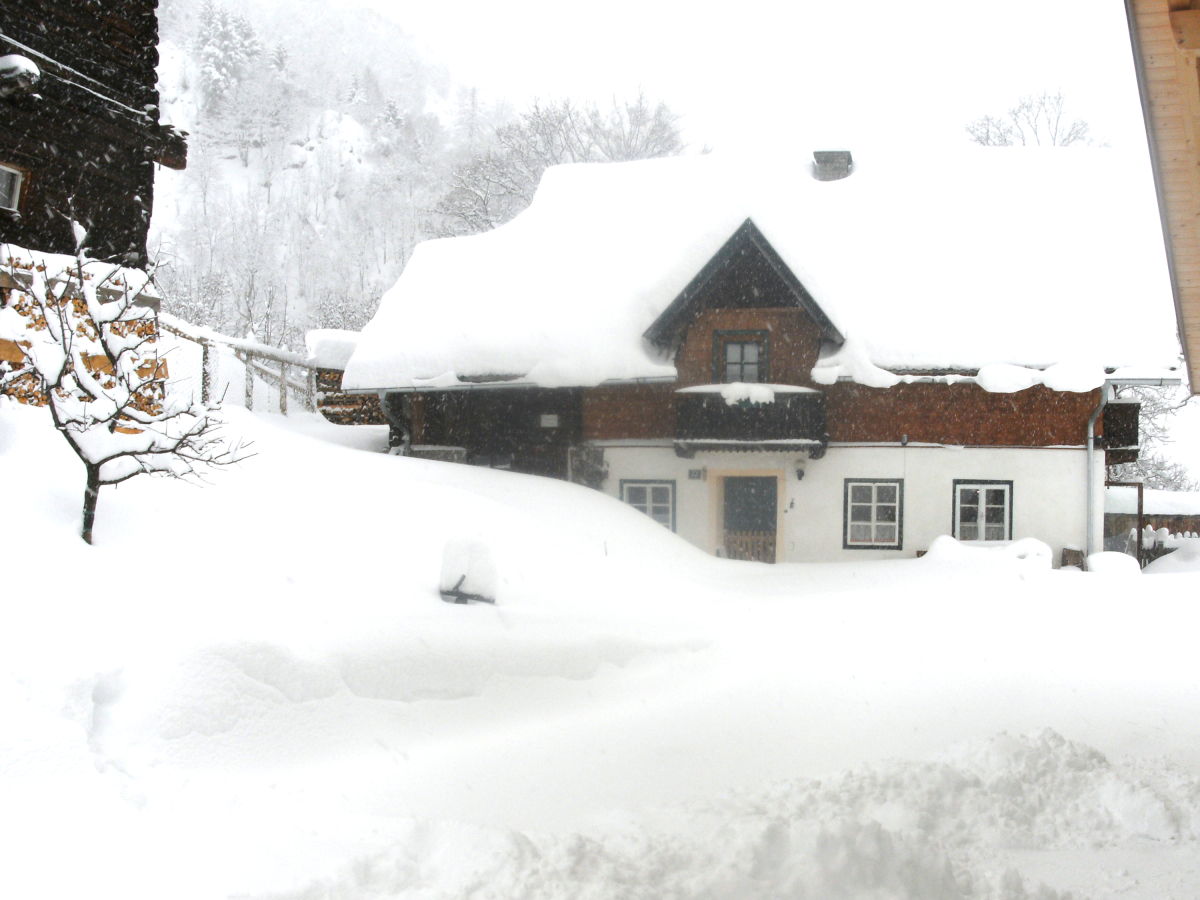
<point x="830" y="165"/>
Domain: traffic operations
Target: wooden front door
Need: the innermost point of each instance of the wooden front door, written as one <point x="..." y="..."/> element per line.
<point x="750" y="509"/>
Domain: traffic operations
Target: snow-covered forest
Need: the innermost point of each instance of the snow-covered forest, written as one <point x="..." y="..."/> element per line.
<point x="310" y="180"/>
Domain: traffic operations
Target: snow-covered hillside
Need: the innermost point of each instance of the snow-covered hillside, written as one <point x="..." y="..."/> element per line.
<point x="253" y="689"/>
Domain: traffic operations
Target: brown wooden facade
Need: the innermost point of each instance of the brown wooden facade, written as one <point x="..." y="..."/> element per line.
<point x="1166" y="45"/>
<point x="86" y="137"/>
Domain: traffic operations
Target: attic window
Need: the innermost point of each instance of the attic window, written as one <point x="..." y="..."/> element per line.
<point x="740" y="356"/>
<point x="10" y="187"/>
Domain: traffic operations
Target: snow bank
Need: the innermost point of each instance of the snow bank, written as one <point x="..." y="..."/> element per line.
<point x="1026" y="553"/>
<point x="562" y="294"/>
<point x="263" y="706"/>
<point x="902" y="830"/>
<point x="1110" y="563"/>
<point x="1185" y="558"/>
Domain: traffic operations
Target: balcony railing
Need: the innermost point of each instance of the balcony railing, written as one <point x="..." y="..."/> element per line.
<point x="750" y="417"/>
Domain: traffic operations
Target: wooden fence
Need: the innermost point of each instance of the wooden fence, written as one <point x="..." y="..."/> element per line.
<point x="283" y="370"/>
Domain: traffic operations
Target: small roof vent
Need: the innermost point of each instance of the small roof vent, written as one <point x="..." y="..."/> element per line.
<point x="830" y="165"/>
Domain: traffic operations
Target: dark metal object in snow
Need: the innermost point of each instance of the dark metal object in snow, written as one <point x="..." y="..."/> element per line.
<point x="457" y="595"/>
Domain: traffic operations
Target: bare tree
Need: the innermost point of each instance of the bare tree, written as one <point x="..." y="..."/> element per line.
<point x="1158" y="407"/>
<point x="89" y="354"/>
<point x="495" y="185"/>
<point x="1035" y="120"/>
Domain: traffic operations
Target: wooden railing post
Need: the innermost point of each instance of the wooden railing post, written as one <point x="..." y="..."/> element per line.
<point x="283" y="368"/>
<point x="206" y="374"/>
<point x="245" y="358"/>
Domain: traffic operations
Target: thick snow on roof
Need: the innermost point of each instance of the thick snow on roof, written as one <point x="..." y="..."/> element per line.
<point x="957" y="260"/>
<point x="1154" y="503"/>
<point x="330" y="348"/>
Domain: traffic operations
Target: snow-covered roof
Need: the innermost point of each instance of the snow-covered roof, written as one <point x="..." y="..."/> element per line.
<point x="330" y="348"/>
<point x="1154" y="503"/>
<point x="981" y="258"/>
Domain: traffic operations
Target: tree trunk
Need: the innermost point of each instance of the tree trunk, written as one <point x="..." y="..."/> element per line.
<point x="90" y="495"/>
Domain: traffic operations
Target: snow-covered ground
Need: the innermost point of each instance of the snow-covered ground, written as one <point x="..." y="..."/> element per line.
<point x="252" y="689"/>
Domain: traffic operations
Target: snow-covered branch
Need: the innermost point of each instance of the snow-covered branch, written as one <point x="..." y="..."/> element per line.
<point x="88" y="353"/>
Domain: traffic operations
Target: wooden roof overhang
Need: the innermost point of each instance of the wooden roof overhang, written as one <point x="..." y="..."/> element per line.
<point x="1165" y="35"/>
<point x="667" y="330"/>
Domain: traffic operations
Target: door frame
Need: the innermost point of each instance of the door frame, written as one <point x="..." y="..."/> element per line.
<point x="716" y="504"/>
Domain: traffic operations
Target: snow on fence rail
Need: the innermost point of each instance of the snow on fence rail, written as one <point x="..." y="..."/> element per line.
<point x="281" y="369"/>
<point x="1157" y="542"/>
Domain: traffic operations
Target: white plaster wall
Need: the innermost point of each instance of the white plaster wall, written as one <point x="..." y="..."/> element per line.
<point x="1049" y="491"/>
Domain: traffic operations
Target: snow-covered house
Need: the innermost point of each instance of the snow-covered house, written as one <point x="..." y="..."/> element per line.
<point x="81" y="133"/>
<point x="796" y="361"/>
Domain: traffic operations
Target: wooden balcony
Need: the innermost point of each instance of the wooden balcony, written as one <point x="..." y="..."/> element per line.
<point x="750" y="417"/>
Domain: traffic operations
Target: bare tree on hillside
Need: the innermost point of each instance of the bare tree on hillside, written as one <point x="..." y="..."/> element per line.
<point x="493" y="186"/>
<point x="1035" y="120"/>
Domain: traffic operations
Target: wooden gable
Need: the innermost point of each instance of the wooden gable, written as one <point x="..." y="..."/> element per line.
<point x="746" y="273"/>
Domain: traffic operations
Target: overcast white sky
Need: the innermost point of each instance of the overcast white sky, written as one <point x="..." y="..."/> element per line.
<point x="829" y="72"/>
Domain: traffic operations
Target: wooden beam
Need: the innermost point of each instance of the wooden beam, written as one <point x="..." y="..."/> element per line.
<point x="1186" y="25"/>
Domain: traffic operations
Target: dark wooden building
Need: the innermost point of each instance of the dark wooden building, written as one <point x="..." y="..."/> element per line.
<point x="79" y="125"/>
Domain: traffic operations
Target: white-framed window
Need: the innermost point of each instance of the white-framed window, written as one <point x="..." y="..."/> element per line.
<point x="655" y="498"/>
<point x="742" y="360"/>
<point x="983" y="510"/>
<point x="874" y="513"/>
<point x="10" y="187"/>
<point x="740" y="356"/>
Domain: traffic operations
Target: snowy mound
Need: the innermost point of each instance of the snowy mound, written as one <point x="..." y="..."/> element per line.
<point x="255" y="690"/>
<point x="1185" y="558"/>
<point x="986" y="258"/>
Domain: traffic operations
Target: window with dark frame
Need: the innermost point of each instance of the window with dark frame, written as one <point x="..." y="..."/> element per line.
<point x="740" y="356"/>
<point x="10" y="187"/>
<point x="873" y="514"/>
<point x="983" y="510"/>
<point x="655" y="498"/>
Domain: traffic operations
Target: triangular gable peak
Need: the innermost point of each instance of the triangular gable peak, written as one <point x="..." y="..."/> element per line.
<point x="745" y="273"/>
